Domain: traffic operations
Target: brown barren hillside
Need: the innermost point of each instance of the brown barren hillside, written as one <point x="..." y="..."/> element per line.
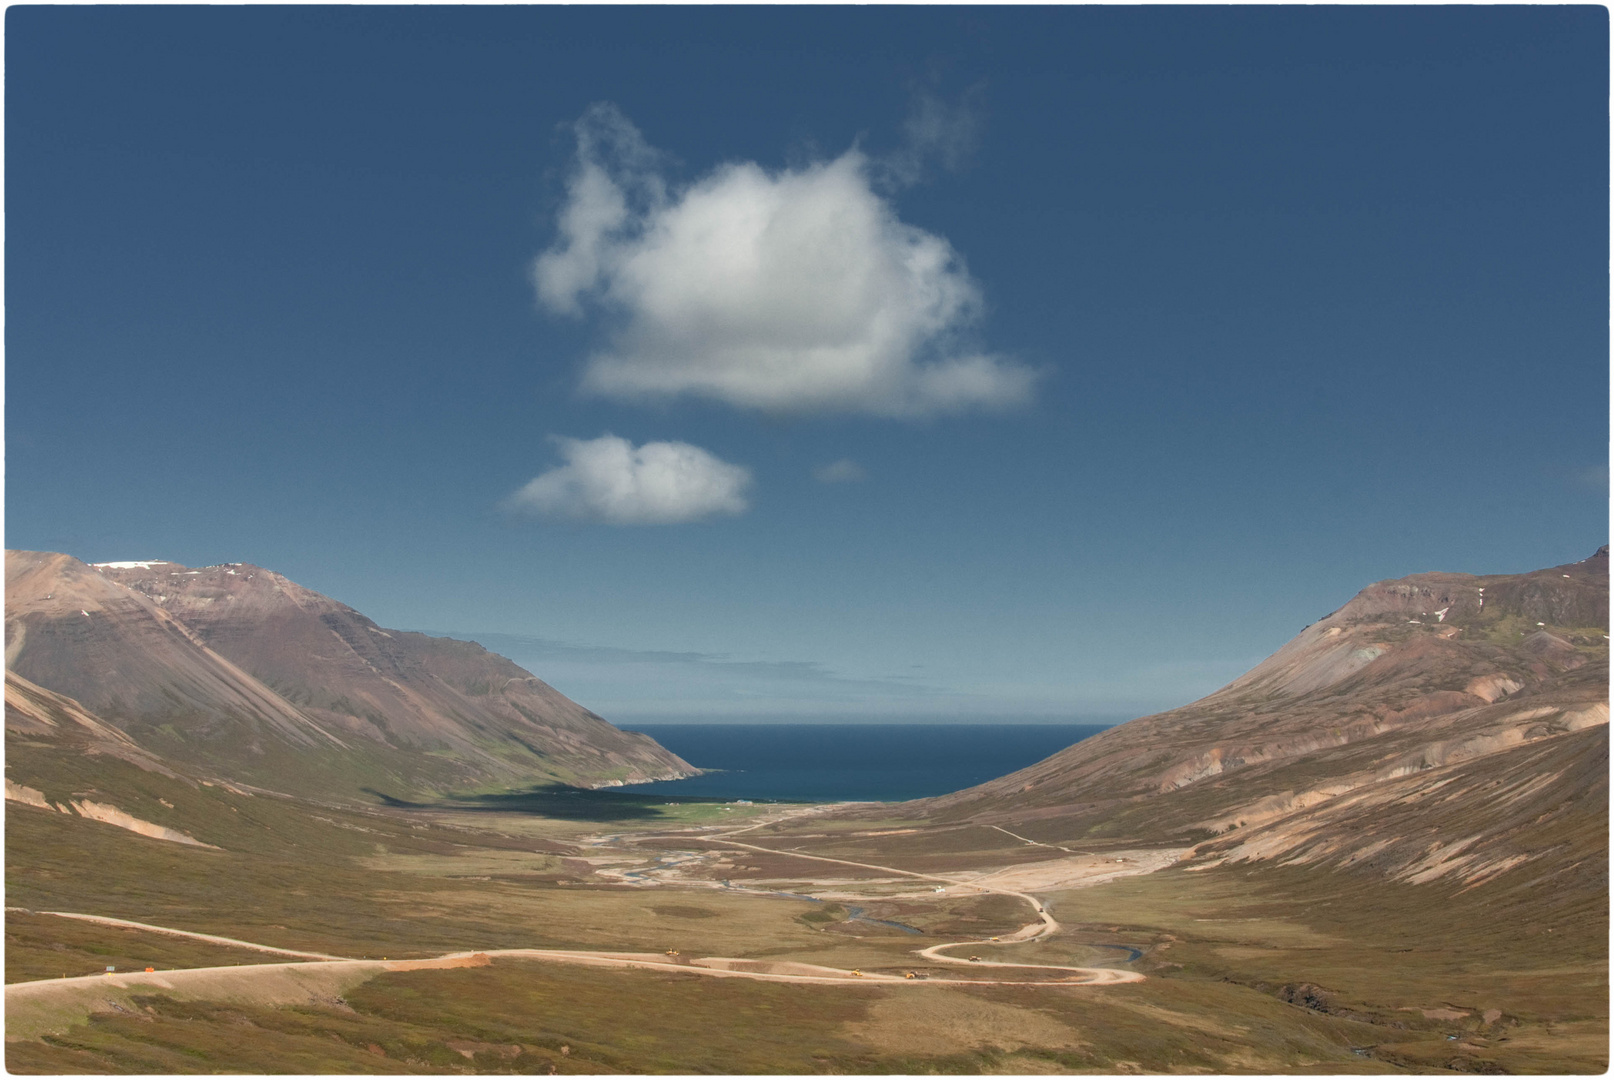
<point x="239" y="669"/>
<point x="45" y="718"/>
<point x="1440" y="726"/>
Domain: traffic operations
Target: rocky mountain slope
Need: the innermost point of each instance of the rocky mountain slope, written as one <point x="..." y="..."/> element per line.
<point x="238" y="670"/>
<point x="1438" y="727"/>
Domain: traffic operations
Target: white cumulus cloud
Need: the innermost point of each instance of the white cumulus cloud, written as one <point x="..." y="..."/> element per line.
<point x="796" y="290"/>
<point x="609" y="480"/>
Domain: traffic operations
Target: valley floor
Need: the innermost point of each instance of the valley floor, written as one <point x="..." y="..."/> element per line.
<point x="601" y="933"/>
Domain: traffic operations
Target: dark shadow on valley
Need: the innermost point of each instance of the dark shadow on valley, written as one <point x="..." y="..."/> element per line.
<point x="553" y="801"/>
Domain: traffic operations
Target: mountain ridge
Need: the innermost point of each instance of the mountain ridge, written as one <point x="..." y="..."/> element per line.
<point x="1491" y="689"/>
<point x="233" y="665"/>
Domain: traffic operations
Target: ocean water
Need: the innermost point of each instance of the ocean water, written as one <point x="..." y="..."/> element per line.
<point x="858" y="762"/>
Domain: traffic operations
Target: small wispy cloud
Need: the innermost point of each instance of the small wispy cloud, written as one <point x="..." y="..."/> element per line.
<point x="936" y="130"/>
<point x="844" y="471"/>
<point x="609" y="480"/>
<point x="618" y="682"/>
<point x="1593" y="476"/>
<point x="790" y="291"/>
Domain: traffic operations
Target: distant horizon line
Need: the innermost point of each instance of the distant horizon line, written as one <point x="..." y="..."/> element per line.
<point x="840" y="720"/>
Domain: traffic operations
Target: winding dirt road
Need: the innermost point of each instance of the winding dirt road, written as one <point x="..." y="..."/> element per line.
<point x="49" y="1004"/>
<point x="1045" y="925"/>
<point x="716" y="966"/>
<point x="53" y="1006"/>
<point x="193" y="935"/>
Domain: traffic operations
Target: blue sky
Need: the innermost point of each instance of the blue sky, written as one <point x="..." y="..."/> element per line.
<point x="849" y="362"/>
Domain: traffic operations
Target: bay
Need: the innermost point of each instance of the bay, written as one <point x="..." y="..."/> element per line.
<point x="821" y="762"/>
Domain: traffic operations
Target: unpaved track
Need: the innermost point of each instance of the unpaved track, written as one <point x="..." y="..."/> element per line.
<point x="1038" y="843"/>
<point x="213" y="938"/>
<point x="716" y="966"/>
<point x="1045" y="925"/>
<point x="52" y="1006"/>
